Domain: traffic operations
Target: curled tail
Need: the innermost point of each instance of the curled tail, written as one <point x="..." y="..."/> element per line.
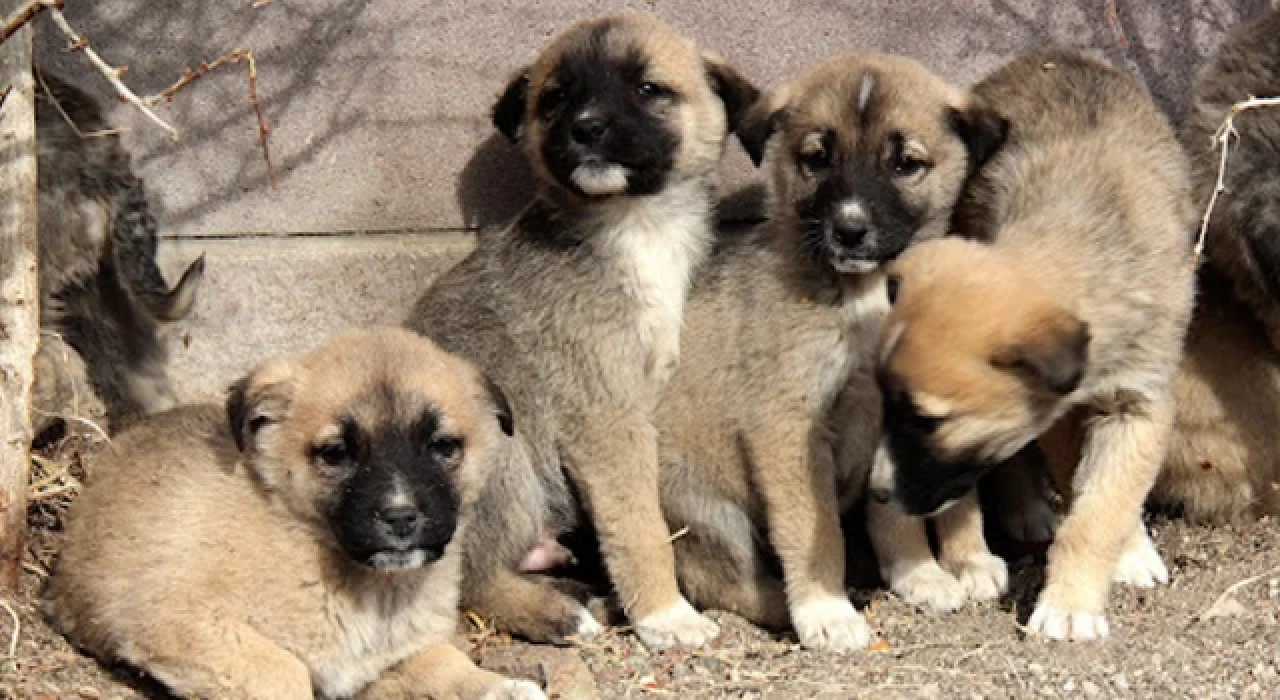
<point x="135" y="236"/>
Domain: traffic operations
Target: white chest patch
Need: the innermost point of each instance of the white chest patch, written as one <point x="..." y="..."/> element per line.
<point x="655" y="243"/>
<point x="852" y="346"/>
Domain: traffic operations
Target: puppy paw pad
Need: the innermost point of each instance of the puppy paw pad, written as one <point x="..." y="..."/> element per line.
<point x="1055" y="623"/>
<point x="678" y="625"/>
<point x="831" y="624"/>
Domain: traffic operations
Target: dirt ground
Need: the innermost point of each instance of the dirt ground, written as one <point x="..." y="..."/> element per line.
<point x="1212" y="633"/>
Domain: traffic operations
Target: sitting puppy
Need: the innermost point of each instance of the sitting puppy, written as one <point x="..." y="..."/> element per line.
<point x="304" y="541"/>
<point x="576" y="309"/>
<point x="1244" y="231"/>
<point x="1077" y="294"/>
<point x="865" y="155"/>
<point x="101" y="293"/>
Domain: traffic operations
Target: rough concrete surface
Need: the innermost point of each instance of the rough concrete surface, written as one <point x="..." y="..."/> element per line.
<point x="379" y="109"/>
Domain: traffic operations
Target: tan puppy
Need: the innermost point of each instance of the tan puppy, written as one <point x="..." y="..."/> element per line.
<point x="1078" y="297"/>
<point x="576" y="308"/>
<point x="866" y="155"/>
<point x="305" y="541"/>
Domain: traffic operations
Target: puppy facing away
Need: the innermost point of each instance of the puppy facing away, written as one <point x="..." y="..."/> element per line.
<point x="1244" y="232"/>
<point x="101" y="293"/>
<point x="305" y="540"/>
<point x="865" y="155"/>
<point x="575" y="308"/>
<point x="1077" y="294"/>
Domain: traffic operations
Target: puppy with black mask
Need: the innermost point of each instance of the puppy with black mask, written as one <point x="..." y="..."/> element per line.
<point x="774" y="409"/>
<point x="576" y="309"/>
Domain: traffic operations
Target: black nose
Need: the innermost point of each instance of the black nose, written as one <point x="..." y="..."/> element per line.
<point x="588" y="131"/>
<point x="881" y="495"/>
<point x="400" y="521"/>
<point x="849" y="234"/>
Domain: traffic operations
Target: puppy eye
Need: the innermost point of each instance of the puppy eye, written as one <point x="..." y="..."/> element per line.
<point x="652" y="90"/>
<point x="551" y="100"/>
<point x="815" y="161"/>
<point x="891" y="288"/>
<point x="334" y="453"/>
<point x="905" y="165"/>
<point x="446" y="447"/>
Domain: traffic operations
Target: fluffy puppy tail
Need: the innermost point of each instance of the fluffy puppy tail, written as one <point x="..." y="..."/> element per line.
<point x="135" y="237"/>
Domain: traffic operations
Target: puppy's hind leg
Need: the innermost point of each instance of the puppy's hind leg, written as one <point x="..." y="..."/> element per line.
<point x="1122" y="454"/>
<point x="528" y="606"/>
<point x="963" y="551"/>
<point x="715" y="578"/>
<point x="442" y="671"/>
<point x="907" y="564"/>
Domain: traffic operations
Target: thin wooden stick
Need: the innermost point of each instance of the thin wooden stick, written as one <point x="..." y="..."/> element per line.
<point x="1223" y="138"/>
<point x="112" y="75"/>
<point x="25" y="14"/>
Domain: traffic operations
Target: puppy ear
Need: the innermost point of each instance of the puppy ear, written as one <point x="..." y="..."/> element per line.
<point x="262" y="398"/>
<point x="981" y="128"/>
<point x="735" y="91"/>
<point x="500" y="406"/>
<point x="1053" y="354"/>
<point x="759" y="125"/>
<point x="508" y="111"/>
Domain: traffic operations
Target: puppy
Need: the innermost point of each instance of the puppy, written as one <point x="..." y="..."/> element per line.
<point x="306" y="540"/>
<point x="1244" y="231"/>
<point x="1077" y="296"/>
<point x="101" y="292"/>
<point x="865" y="155"/>
<point x="576" y="307"/>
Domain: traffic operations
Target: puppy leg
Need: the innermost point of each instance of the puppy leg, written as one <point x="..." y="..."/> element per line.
<point x="443" y="672"/>
<point x="963" y="549"/>
<point x="209" y="658"/>
<point x="717" y="579"/>
<point x="614" y="462"/>
<point x="796" y="475"/>
<point x="1121" y="457"/>
<point x="1019" y="490"/>
<point x="528" y="606"/>
<point x="907" y="563"/>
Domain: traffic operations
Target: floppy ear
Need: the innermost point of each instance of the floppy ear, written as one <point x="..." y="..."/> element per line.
<point x="981" y="128"/>
<point x="1053" y="354"/>
<point x="758" y="126"/>
<point x="734" y="91"/>
<point x="500" y="406"/>
<point x="508" y="111"/>
<point x="262" y="398"/>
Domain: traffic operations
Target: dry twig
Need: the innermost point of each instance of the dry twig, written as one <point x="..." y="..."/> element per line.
<point x="1113" y="18"/>
<point x="1223" y="138"/>
<point x="1232" y="590"/>
<point x="44" y="87"/>
<point x="79" y="43"/>
<point x="17" y="628"/>
<point x="25" y="14"/>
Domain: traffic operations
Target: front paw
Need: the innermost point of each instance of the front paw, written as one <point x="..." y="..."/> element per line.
<point x="1032" y="521"/>
<point x="514" y="690"/>
<point x="677" y="625"/>
<point x="928" y="585"/>
<point x="1140" y="565"/>
<point x="1075" y="625"/>
<point x="830" y="624"/>
<point x="983" y="576"/>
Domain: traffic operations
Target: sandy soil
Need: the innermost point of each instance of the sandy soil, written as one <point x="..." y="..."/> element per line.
<point x="1212" y="633"/>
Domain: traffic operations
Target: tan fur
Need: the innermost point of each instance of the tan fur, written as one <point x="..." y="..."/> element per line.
<point x="576" y="310"/>
<point x="1088" y="215"/>
<point x="213" y="569"/>
<point x="770" y="421"/>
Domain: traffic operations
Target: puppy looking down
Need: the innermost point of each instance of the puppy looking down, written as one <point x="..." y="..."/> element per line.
<point x="1077" y="294"/>
<point x="575" y="308"/>
<point x="865" y="155"/>
<point x="305" y="541"/>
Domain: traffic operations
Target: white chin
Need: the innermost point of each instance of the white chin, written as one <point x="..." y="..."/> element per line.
<point x="600" y="178"/>
<point x="860" y="267"/>
<point x="398" y="561"/>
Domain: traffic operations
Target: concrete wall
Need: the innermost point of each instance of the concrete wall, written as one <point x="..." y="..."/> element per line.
<point x="379" y="106"/>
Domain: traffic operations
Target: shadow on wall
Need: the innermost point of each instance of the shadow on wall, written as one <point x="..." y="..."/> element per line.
<point x="495" y="184"/>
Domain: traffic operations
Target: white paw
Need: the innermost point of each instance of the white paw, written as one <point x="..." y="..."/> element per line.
<point x="983" y="576"/>
<point x="1061" y="624"/>
<point x="928" y="585"/>
<point x="830" y="624"/>
<point x="588" y="627"/>
<point x="1141" y="565"/>
<point x="1032" y="521"/>
<point x="679" y="625"/>
<point x="514" y="690"/>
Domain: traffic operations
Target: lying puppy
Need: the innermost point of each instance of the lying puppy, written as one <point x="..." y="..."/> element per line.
<point x="305" y="540"/>
<point x="1077" y="296"/>
<point x="101" y="293"/>
<point x="576" y="309"/>
<point x="865" y="155"/>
